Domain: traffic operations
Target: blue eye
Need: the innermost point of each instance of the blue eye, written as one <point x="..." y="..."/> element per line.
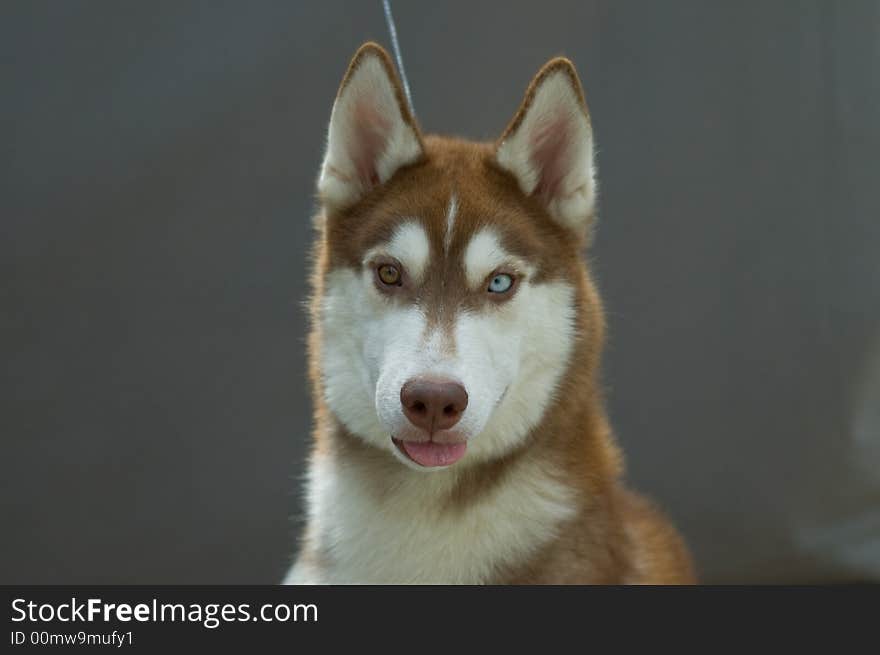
<point x="500" y="283"/>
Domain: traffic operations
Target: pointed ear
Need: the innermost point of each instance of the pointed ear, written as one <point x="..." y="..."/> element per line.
<point x="372" y="132"/>
<point x="548" y="146"/>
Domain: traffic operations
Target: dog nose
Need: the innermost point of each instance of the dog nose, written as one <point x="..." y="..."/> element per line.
<point x="433" y="404"/>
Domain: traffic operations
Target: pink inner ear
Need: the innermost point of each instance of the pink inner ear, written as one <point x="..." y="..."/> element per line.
<point x="550" y="154"/>
<point x="371" y="131"/>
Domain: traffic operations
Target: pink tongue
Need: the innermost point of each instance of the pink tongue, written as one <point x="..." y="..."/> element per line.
<point x="434" y="454"/>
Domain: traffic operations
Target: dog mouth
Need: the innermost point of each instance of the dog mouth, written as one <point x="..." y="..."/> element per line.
<point x="430" y="453"/>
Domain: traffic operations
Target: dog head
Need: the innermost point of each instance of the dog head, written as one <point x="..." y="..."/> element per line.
<point x="450" y="275"/>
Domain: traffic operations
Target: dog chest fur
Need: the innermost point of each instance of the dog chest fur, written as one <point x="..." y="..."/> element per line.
<point x="412" y="532"/>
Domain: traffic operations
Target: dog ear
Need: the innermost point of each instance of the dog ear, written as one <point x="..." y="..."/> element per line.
<point x="548" y="146"/>
<point x="372" y="132"/>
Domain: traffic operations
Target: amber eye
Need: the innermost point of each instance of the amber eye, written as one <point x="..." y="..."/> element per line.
<point x="389" y="274"/>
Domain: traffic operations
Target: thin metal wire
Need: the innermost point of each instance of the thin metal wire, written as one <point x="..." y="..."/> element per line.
<point x="389" y="19"/>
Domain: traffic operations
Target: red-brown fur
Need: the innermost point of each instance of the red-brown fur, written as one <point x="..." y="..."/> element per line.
<point x="616" y="536"/>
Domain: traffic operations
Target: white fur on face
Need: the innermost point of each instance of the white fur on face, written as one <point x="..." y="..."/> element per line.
<point x="509" y="356"/>
<point x="451" y="211"/>
<point x="409" y="245"/>
<point x="484" y="255"/>
<point x="521" y="352"/>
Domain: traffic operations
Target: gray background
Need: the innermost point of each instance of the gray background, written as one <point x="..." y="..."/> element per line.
<point x="158" y="161"/>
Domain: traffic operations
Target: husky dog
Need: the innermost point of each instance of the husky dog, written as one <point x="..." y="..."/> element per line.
<point x="460" y="435"/>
